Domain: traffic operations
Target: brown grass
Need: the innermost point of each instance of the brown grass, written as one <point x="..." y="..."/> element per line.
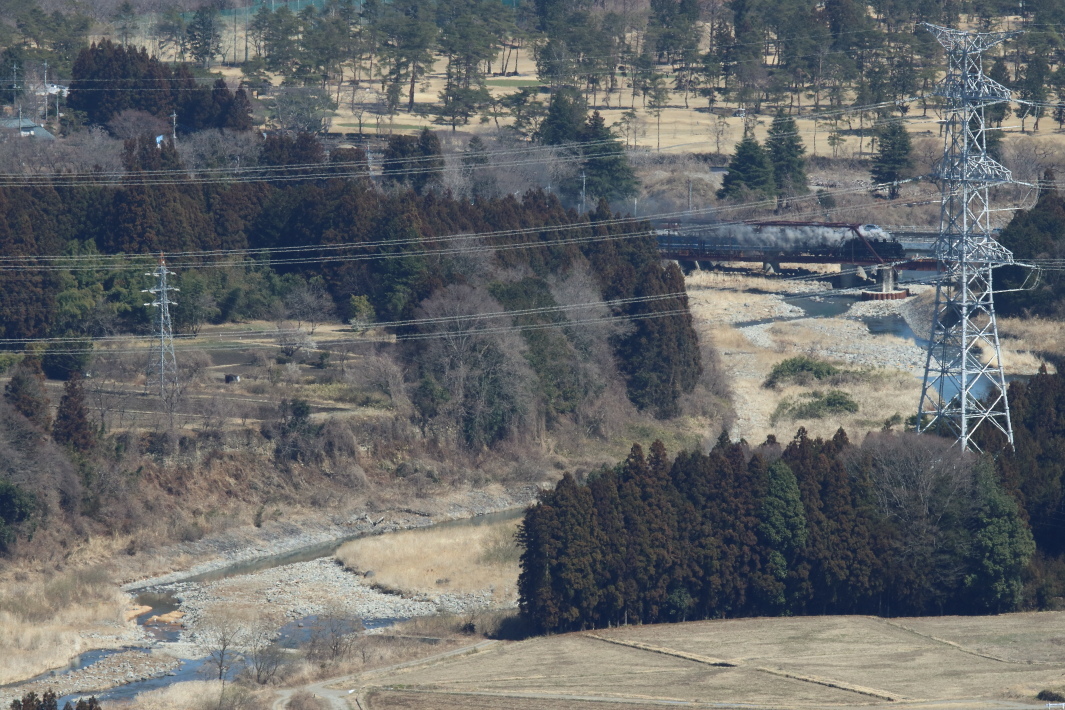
<point x="197" y="695"/>
<point x="834" y="661"/>
<point x="466" y="558"/>
<point x="1032" y="339"/>
<point x="42" y="620"/>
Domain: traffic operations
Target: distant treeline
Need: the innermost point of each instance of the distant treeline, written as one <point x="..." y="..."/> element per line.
<point x="898" y="525"/>
<point x="109" y="79"/>
<point x="397" y="270"/>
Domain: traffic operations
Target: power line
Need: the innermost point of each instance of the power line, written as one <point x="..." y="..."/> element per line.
<point x="963" y="321"/>
<point x="412" y="322"/>
<point x="404" y="337"/>
<point x="583" y="238"/>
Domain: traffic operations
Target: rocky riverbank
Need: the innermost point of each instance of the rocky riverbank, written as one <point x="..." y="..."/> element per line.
<point x="109" y="672"/>
<point x="246" y="545"/>
<point x="307" y="589"/>
<point x="268" y="586"/>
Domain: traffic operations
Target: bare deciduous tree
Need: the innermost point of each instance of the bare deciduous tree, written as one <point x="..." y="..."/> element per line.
<point x="381" y="372"/>
<point x="309" y="306"/>
<point x="333" y="635"/>
<point x="262" y="652"/>
<point x="479" y="362"/>
<point x="926" y="486"/>
<point x="221" y="637"/>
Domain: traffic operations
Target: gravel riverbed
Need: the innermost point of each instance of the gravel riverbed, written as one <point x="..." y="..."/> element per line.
<point x="109" y="672"/>
<point x="847" y="339"/>
<point x="282" y="593"/>
<point x="246" y="545"/>
<point x="312" y="588"/>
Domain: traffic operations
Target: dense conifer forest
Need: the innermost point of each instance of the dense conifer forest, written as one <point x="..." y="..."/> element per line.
<point x="893" y="525"/>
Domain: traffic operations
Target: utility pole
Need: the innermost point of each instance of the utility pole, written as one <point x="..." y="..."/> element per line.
<point x="689" y="195"/>
<point x="162" y="362"/>
<point x="962" y="392"/>
<point x="45" y="92"/>
<point x="14" y="93"/>
<point x="584" y="185"/>
<point x="173" y="128"/>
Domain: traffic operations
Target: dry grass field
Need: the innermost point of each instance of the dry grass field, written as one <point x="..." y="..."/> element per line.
<point x="462" y="558"/>
<point x="42" y="620"/>
<point x="835" y="661"/>
<point x="1034" y="338"/>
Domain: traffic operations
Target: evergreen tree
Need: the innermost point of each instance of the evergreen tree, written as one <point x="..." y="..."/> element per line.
<point x="565" y="118"/>
<point x="786" y="152"/>
<point x="1034" y="90"/>
<point x="205" y="34"/>
<point x="72" y="426"/>
<point x="475" y="168"/>
<point x="749" y="171"/>
<point x="782" y="519"/>
<point x="996" y="113"/>
<point x="125" y="21"/>
<point x="893" y="161"/>
<point x="414" y="160"/>
<point x="1002" y="546"/>
<point x="605" y="165"/>
<point x="27" y="394"/>
<point x="17" y="506"/>
<point x="408" y="33"/>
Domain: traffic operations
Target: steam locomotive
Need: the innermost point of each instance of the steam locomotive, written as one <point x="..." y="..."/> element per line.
<point x="829" y="240"/>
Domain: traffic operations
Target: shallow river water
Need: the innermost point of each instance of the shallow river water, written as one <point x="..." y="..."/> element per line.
<point x="291" y="635"/>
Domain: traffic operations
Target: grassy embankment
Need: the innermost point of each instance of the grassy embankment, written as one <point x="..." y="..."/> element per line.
<point x="463" y="559"/>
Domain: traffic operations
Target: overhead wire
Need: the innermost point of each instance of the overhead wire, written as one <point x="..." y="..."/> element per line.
<point x="494" y="330"/>
<point x="408" y="323"/>
<point x="314" y="171"/>
<point x="144" y="260"/>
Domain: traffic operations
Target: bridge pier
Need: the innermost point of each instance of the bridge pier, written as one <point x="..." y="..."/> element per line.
<point x="888" y="279"/>
<point x="771" y="267"/>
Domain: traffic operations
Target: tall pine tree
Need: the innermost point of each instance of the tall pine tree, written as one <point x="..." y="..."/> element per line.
<point x="893" y="161"/>
<point x="749" y="171"/>
<point x="786" y="153"/>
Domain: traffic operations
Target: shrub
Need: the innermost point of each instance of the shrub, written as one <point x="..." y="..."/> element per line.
<point x="1050" y="696"/>
<point x="816" y="405"/>
<point x="800" y="369"/>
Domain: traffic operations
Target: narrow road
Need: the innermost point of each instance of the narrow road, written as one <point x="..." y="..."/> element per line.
<point x="346" y="699"/>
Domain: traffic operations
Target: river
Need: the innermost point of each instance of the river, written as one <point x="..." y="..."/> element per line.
<point x="172" y="639"/>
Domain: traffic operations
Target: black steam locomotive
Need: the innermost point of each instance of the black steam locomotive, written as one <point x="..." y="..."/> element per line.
<point x="833" y="241"/>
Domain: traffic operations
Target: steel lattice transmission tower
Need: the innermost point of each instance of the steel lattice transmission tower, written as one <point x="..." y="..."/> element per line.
<point x="964" y="386"/>
<point x="162" y="363"/>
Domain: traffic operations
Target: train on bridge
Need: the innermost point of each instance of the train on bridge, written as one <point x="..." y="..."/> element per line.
<point x="774" y="242"/>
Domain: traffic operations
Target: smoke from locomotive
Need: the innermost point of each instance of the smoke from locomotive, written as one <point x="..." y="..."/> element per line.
<point x="861" y="241"/>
